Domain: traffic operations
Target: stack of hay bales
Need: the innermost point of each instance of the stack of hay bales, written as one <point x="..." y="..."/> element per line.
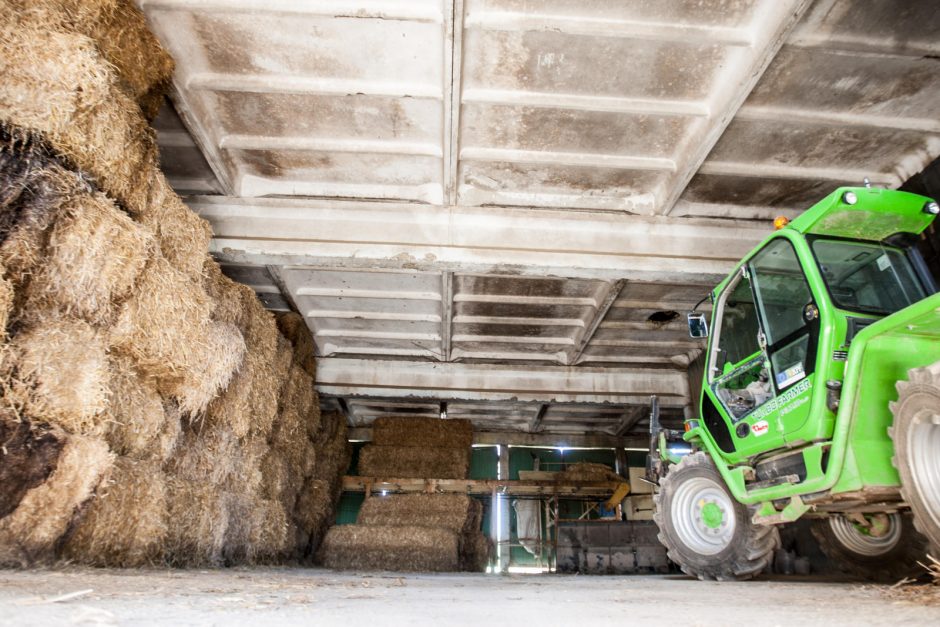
<point x="413" y="532"/>
<point x="145" y="398"/>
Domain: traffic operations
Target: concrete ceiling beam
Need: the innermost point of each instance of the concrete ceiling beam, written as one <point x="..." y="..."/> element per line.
<point x="773" y="24"/>
<point x="370" y="235"/>
<point x="458" y="381"/>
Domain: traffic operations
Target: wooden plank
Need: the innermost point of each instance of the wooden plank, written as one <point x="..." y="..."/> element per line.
<point x="567" y="489"/>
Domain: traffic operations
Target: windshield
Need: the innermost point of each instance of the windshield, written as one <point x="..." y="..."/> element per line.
<point x="867" y="277"/>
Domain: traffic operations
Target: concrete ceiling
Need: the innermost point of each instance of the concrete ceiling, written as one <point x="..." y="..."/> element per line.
<point x="489" y="204"/>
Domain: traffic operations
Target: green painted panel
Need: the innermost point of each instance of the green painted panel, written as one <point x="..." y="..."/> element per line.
<point x="484" y="462"/>
<point x="348" y="509"/>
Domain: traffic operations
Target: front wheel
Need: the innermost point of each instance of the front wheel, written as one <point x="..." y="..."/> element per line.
<point x="704" y="529"/>
<point x="879" y="547"/>
<point x="916" y="435"/>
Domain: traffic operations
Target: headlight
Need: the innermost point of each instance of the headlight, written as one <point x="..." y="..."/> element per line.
<point x="849" y="198"/>
<point x="932" y="208"/>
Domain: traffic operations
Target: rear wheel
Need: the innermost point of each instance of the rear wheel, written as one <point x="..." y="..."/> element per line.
<point x="879" y="547"/>
<point x="704" y="529"/>
<point x="916" y="435"/>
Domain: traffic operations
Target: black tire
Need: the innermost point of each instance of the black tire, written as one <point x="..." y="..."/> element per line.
<point x="745" y="549"/>
<point x="887" y="564"/>
<point x="916" y="435"/>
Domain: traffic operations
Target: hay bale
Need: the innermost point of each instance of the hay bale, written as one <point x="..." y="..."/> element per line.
<point x="28" y="536"/>
<point x="223" y="353"/>
<point x="184" y="237"/>
<point x="120" y="31"/>
<point x="414" y="462"/>
<point x="94" y="254"/>
<point x="197" y="520"/>
<point x="29" y="452"/>
<point x="124" y="524"/>
<point x="389" y="548"/>
<point x="6" y="303"/>
<point x="475" y="550"/>
<point x="139" y="425"/>
<point x="208" y="456"/>
<point x="314" y="512"/>
<point x="334" y="453"/>
<point x="33" y="188"/>
<point x="295" y="329"/>
<point x="228" y="296"/>
<point x="166" y="328"/>
<point x="588" y="471"/>
<point x="270" y="532"/>
<point x="426" y="432"/>
<point x="59" y="83"/>
<point x="124" y="38"/>
<point x="57" y="369"/>
<point x="299" y="398"/>
<point x="269" y="373"/>
<point x="448" y="511"/>
<point x="249" y="403"/>
<point x="276" y="476"/>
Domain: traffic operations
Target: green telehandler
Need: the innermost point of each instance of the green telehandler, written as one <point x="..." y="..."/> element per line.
<point x="820" y="399"/>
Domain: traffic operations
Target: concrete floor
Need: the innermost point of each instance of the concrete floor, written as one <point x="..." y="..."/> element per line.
<point x="274" y="596"/>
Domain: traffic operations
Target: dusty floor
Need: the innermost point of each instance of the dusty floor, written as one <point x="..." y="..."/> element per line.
<point x="274" y="596"/>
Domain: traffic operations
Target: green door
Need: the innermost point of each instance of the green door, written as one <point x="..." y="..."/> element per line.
<point x="789" y="321"/>
<point x="739" y="378"/>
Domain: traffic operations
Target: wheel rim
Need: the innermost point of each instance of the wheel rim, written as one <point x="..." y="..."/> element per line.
<point x="704" y="516"/>
<point x="855" y="539"/>
<point x="923" y="442"/>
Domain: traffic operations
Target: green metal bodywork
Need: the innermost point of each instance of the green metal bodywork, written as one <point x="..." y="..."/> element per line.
<point x="847" y="453"/>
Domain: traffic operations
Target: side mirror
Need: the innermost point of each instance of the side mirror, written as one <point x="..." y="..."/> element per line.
<point x="698" y="325"/>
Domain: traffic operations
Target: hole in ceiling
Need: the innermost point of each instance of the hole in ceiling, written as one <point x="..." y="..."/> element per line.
<point x="663" y="317"/>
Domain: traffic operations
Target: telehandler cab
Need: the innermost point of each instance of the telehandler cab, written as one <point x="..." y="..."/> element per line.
<point x="820" y="398"/>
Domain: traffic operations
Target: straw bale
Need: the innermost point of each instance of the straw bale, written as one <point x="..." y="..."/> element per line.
<point x="94" y="255"/>
<point x="120" y="31"/>
<point x="295" y="329"/>
<point x="57" y="369"/>
<point x="448" y="511"/>
<point x="6" y="303"/>
<point x="123" y="37"/>
<point x="58" y="83"/>
<point x="247" y="476"/>
<point x="184" y="236"/>
<point x="258" y="531"/>
<point x="124" y="524"/>
<point x="427" y="432"/>
<point x="223" y="353"/>
<point x="29" y="452"/>
<point x="209" y="455"/>
<point x="138" y="423"/>
<point x="389" y="548"/>
<point x="270" y="533"/>
<point x="28" y="536"/>
<point x="250" y="402"/>
<point x="475" y="551"/>
<point x="588" y="471"/>
<point x="414" y="462"/>
<point x="333" y="454"/>
<point x="33" y="188"/>
<point x="228" y="296"/>
<point x="299" y="397"/>
<point x="236" y="545"/>
<point x="165" y="326"/>
<point x="276" y="475"/>
<point x="314" y="511"/>
<point x="197" y="520"/>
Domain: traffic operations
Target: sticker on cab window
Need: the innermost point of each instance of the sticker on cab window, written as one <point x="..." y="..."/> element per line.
<point x="884" y="263"/>
<point x="791" y="375"/>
